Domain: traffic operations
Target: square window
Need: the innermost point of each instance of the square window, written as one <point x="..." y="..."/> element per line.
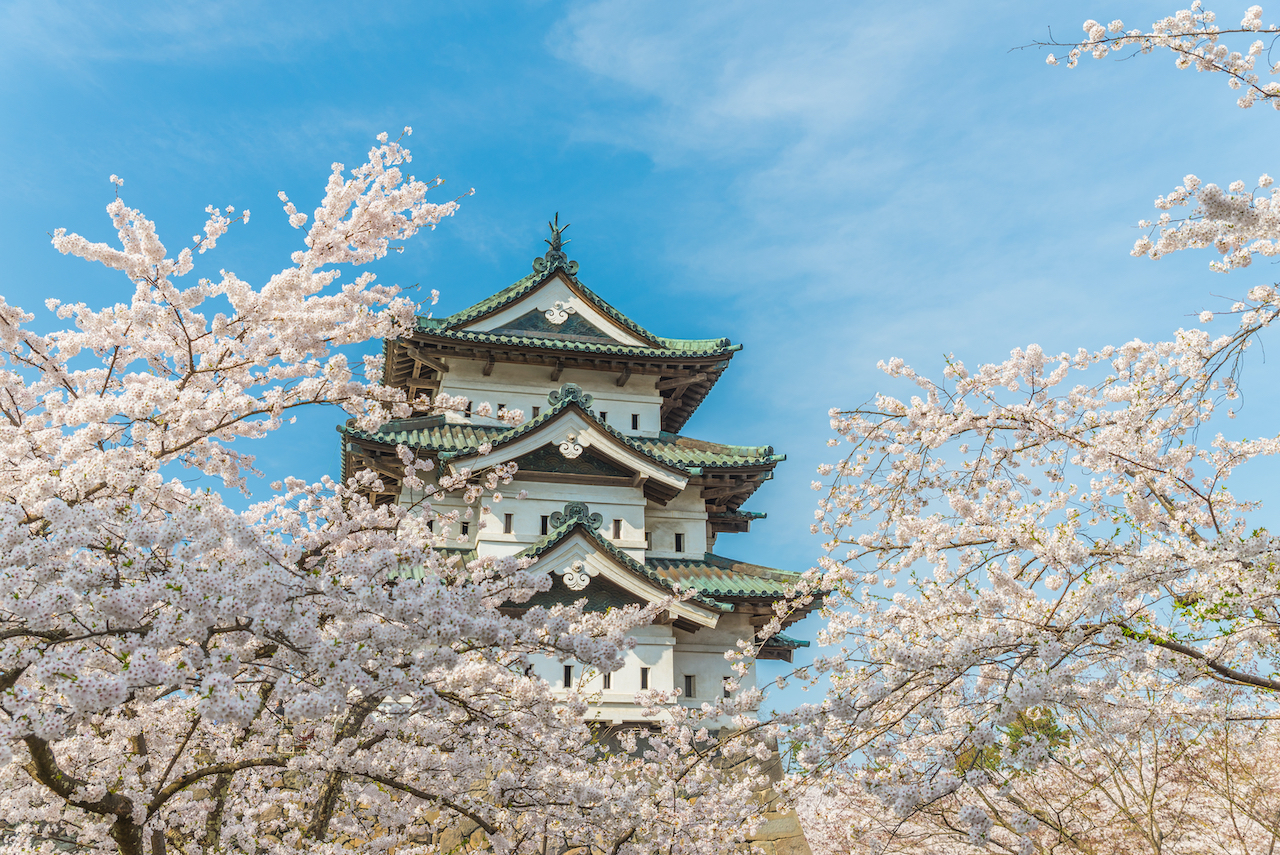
<point x="679" y="541"/>
<point x="508" y="523"/>
<point x="635" y="421"/>
<point x="689" y="686"/>
<point x="617" y="529"/>
<point x="644" y="678"/>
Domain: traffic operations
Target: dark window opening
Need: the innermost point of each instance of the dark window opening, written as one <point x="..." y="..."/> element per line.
<point x="536" y="410"/>
<point x="648" y="540"/>
<point x="617" y="529"/>
<point x="468" y="408"/>
<point x="607" y="681"/>
<point x="568" y="676"/>
<point x="688" y="686"/>
<point x="728" y="681"/>
<point x="604" y="417"/>
<point x="679" y="542"/>
<point x="508" y="523"/>
<point x="466" y="529"/>
<point x="546" y="524"/>
<point x="644" y="678"/>
<point x="501" y="407"/>
<point x="635" y="421"/>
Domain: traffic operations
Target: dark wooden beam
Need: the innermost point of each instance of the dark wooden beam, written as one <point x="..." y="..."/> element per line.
<point x="488" y="366"/>
<point x="625" y="375"/>
<point x="573" y="478"/>
<point x="678" y="382"/>
<point x="559" y="369"/>
<point x="369" y="463"/>
<point x="419" y="355"/>
<point x="720" y="492"/>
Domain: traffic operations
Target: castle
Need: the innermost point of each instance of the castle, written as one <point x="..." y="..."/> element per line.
<point x="620" y="506"/>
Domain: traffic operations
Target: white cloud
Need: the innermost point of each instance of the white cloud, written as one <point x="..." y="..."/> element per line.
<point x="74" y="36"/>
<point x="732" y="78"/>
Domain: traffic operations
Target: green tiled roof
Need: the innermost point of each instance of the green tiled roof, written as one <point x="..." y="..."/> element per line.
<point x="465" y="554"/>
<point x="717" y="576"/>
<point x="687" y="452"/>
<point x="785" y="641"/>
<point x="739" y="515"/>
<point x="672" y="348"/>
<point x="433" y="433"/>
<point x="669" y="348"/>
<point x="555" y="535"/>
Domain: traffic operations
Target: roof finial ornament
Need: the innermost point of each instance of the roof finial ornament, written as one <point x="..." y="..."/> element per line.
<point x="557" y="231"/>
<point x="555" y="257"/>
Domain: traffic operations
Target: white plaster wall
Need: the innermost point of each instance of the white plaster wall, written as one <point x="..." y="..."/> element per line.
<point x="686" y="513"/>
<point x="545" y="498"/>
<point x="701" y="655"/>
<point x="654" y="650"/>
<point x="523" y="387"/>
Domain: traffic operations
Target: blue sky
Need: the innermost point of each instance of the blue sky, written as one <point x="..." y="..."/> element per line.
<point x="828" y="183"/>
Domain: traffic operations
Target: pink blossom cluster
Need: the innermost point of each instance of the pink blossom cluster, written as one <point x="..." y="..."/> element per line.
<point x="1237" y="223"/>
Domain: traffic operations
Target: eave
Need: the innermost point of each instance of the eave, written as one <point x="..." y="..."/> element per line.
<point x="726" y="476"/>
<point x="418" y="362"/>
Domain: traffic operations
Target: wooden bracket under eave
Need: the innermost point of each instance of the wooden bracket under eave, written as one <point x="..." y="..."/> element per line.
<point x="419" y="355"/>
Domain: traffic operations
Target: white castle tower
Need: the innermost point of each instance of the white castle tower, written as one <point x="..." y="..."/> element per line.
<point x="620" y="505"/>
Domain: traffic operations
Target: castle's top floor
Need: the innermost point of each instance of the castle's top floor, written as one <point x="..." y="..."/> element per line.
<point x="548" y="329"/>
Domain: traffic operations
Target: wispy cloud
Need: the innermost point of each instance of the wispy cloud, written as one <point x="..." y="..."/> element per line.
<point x="728" y="79"/>
<point x="74" y="36"/>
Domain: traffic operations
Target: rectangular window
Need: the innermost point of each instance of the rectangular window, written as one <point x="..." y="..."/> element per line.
<point x="607" y="681"/>
<point x="648" y="540"/>
<point x="431" y="526"/>
<point x="468" y="408"/>
<point x="617" y="529"/>
<point x="604" y="417"/>
<point x="466" y="529"/>
<point x="644" y="678"/>
<point x="536" y="410"/>
<point x="727" y="682"/>
<point x="508" y="523"/>
<point x="545" y="524"/>
<point x="568" y="676"/>
<point x="689" y="688"/>
<point x="635" y="421"/>
<point x="679" y="541"/>
<point x="501" y="407"/>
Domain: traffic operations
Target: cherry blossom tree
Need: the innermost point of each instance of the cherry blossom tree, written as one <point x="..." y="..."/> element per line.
<point x="1060" y="528"/>
<point x="180" y="676"/>
<point x="1177" y="783"/>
